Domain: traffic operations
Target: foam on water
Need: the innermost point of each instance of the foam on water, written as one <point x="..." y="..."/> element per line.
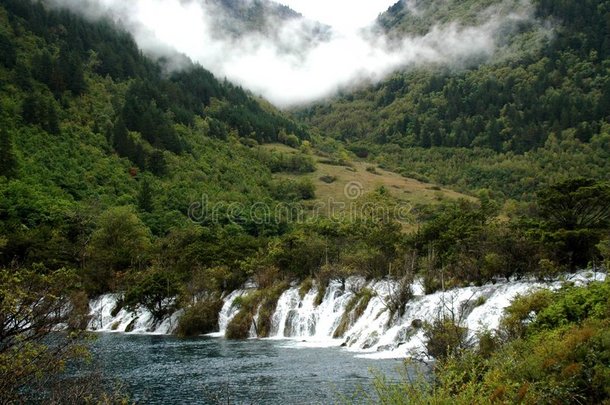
<point x="375" y="334"/>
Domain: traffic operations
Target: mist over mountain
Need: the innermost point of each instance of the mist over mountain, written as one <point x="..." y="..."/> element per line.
<point x="290" y="60"/>
<point x="461" y="156"/>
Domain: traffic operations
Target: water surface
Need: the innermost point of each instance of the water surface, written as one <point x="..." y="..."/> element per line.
<point x="206" y="370"/>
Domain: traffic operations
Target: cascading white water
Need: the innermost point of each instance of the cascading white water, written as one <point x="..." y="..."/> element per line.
<point x="227" y="312"/>
<point x="373" y="334"/>
<point x="139" y="321"/>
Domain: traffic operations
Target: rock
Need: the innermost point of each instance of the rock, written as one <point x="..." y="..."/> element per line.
<point x="417" y="323"/>
<point x="371" y="341"/>
<point x="288" y="327"/>
<point x="131" y="326"/>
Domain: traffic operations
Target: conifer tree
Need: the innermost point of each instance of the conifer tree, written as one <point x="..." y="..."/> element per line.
<point x="8" y="161"/>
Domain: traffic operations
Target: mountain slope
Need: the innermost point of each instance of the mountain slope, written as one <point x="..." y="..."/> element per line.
<point x="89" y="123"/>
<point x="536" y="92"/>
<point x="130" y="174"/>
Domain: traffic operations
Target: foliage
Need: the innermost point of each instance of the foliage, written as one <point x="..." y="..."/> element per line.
<point x="444" y="337"/>
<point x="31" y="306"/>
<point x="562" y="358"/>
<point x="256" y="309"/>
<point x="575" y="215"/>
<point x="155" y="290"/>
<point x="287" y="162"/>
<point x="119" y="243"/>
<point x="8" y="161"/>
<point x="537" y="110"/>
<point x="522" y="312"/>
<point x="400" y="294"/>
<point x="199" y="318"/>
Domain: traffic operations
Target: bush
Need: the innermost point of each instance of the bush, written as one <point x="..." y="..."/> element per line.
<point x="328" y="179"/>
<point x="267" y="308"/>
<point x="239" y="327"/>
<point x="291" y="163"/>
<point x="292" y="190"/>
<point x="305" y="287"/>
<point x="444" y="337"/>
<point x="262" y="301"/>
<point x="560" y="366"/>
<point x="399" y="296"/>
<point x="522" y="312"/>
<point x="199" y="318"/>
<point x="574" y="305"/>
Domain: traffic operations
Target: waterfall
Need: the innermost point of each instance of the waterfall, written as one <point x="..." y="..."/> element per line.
<point x="227" y="312"/>
<point x="375" y="333"/>
<point x="139" y="321"/>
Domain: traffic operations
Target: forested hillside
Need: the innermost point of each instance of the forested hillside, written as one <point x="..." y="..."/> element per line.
<point x="142" y="181"/>
<point x="534" y="112"/>
<point x="120" y="175"/>
<point x="88" y="122"/>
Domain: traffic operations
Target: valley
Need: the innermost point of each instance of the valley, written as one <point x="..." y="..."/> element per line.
<point x="433" y="187"/>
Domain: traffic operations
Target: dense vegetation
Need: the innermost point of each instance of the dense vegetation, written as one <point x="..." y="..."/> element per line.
<point x="550" y="348"/>
<point x="537" y="110"/>
<point x="118" y="175"/>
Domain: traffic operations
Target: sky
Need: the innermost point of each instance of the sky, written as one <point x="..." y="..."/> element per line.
<point x="306" y="72"/>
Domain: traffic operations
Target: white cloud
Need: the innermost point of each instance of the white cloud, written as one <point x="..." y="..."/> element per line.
<point x="344" y="15"/>
<point x="310" y="72"/>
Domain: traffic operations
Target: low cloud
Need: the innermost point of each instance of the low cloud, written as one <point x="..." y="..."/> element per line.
<point x="297" y="64"/>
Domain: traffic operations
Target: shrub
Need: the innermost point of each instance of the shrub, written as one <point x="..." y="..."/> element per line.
<point x="399" y="296"/>
<point x="321" y="292"/>
<point x="305" y="287"/>
<point x="336" y="162"/>
<point x="291" y="163"/>
<point x="263" y="302"/>
<point x="522" y="312"/>
<point x="200" y="318"/>
<point x="293" y="190"/>
<point x="239" y="327"/>
<point x="267" y="307"/>
<point x="574" y="305"/>
<point x="444" y="337"/>
<point x="604" y="249"/>
<point x="481" y="300"/>
<point x="328" y="179"/>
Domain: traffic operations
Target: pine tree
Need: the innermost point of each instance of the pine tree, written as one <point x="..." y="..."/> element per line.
<point x="8" y="55"/>
<point x="156" y="163"/>
<point x="145" y="196"/>
<point x="8" y="161"/>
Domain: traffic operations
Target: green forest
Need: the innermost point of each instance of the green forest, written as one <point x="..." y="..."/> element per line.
<point x="534" y="115"/>
<point x="110" y="163"/>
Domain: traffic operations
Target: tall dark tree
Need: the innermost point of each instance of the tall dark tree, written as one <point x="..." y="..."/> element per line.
<point x="156" y="163"/>
<point x="8" y="161"/>
<point x="575" y="217"/>
<point x="8" y="56"/>
<point x="39" y="109"/>
<point x="145" y="196"/>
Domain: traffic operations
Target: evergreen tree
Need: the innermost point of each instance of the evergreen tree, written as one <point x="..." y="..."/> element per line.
<point x="8" y="56"/>
<point x="156" y="163"/>
<point x="8" y="161"/>
<point x="145" y="196"/>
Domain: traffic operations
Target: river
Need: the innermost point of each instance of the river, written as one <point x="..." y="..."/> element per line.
<point x="167" y="370"/>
